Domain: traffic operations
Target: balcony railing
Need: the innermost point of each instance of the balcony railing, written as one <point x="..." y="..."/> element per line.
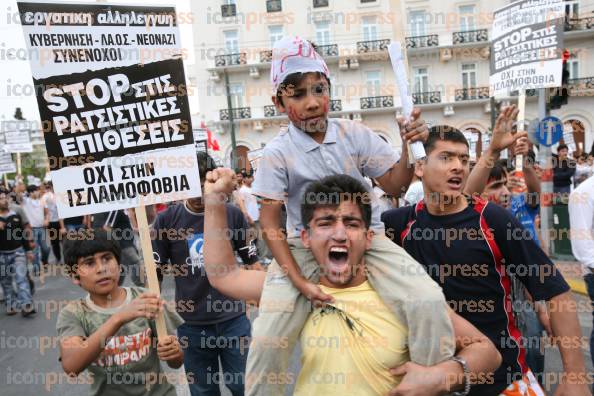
<point x="238" y="113"/>
<point x="320" y="3"/>
<point x="327" y="50"/>
<point x="228" y="10"/>
<point x="239" y="58"/>
<point x="372" y="46"/>
<point x="581" y="84"/>
<point x="426" y="97"/>
<point x="336" y="105"/>
<point x="274" y="5"/>
<point x="270" y="111"/>
<point x="377" y="102"/>
<point x="471" y="36"/>
<point x="529" y="93"/>
<point x="265" y="56"/>
<point x="472" y="93"/>
<point x="431" y="40"/>
<point x="580" y="24"/>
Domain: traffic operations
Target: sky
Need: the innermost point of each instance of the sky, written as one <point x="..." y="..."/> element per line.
<point x="16" y="83"/>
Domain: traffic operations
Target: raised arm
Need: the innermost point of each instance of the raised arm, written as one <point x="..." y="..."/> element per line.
<point x="396" y="180"/>
<point x="530" y="177"/>
<point x="219" y="261"/>
<point x="502" y="138"/>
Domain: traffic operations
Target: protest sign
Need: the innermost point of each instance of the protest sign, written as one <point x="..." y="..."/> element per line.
<point x="6" y="163"/>
<point x="527" y="46"/>
<point x="201" y="139"/>
<point x="112" y="97"/>
<point x="113" y="100"/>
<point x="18" y="141"/>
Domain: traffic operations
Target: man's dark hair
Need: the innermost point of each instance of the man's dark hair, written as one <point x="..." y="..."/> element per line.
<point x="498" y="170"/>
<point x="205" y="164"/>
<point x="32" y="188"/>
<point x="292" y="81"/>
<point x="445" y="133"/>
<point x="78" y="245"/>
<point x="332" y="191"/>
<point x="561" y="147"/>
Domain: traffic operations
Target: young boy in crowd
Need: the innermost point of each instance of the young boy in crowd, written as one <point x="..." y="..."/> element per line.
<point x="496" y="181"/>
<point x="111" y="332"/>
<point x="313" y="147"/>
<point x="371" y="349"/>
<point x="472" y="247"/>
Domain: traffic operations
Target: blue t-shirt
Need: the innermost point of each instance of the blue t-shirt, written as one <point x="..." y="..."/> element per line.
<point x="457" y="255"/>
<point x="178" y="239"/>
<point x="525" y="214"/>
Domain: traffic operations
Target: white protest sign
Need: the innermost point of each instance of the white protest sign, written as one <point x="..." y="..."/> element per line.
<point x="527" y="46"/>
<point x="201" y="139"/>
<point x="112" y="91"/>
<point x="6" y="163"/>
<point x="18" y="141"/>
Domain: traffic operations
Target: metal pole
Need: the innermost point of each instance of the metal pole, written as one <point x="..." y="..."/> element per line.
<point x="231" y="123"/>
<point x="546" y="186"/>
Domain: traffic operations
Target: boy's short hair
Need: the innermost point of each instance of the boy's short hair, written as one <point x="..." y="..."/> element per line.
<point x="498" y="170"/>
<point x="444" y="133"/>
<point x="292" y="81"/>
<point x="32" y="188"/>
<point x="205" y="163"/>
<point x="561" y="147"/>
<point x="332" y="191"/>
<point x="94" y="241"/>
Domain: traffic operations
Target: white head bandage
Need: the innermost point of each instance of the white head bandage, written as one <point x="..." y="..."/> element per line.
<point x="294" y="55"/>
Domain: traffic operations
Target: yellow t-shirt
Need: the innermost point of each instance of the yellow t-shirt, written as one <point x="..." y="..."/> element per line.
<point x="348" y="348"/>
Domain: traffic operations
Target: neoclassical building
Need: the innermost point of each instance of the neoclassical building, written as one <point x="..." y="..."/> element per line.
<point x="448" y="53"/>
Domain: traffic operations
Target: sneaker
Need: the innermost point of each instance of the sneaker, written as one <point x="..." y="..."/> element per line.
<point x="28" y="309"/>
<point x="11" y="312"/>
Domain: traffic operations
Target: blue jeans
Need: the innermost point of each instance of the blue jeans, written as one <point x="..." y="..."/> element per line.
<point x="205" y="344"/>
<point x="590" y="286"/>
<point x="41" y="252"/>
<point x="13" y="265"/>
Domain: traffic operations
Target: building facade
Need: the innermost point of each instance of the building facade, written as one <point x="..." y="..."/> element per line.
<point x="448" y="53"/>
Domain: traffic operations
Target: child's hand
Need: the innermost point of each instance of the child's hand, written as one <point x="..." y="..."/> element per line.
<point x="314" y="294"/>
<point x="168" y="349"/>
<point x="146" y="305"/>
<point x="415" y="129"/>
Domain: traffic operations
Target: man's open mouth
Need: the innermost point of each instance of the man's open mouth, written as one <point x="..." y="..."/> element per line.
<point x="338" y="257"/>
<point x="455" y="182"/>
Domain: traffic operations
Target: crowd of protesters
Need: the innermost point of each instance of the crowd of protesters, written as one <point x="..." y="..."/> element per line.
<point x="334" y="236"/>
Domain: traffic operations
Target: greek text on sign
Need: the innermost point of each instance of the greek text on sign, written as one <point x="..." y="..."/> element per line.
<point x="526" y="47"/>
<point x="112" y="88"/>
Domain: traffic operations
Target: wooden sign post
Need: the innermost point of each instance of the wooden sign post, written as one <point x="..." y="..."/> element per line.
<point x="518" y="189"/>
<point x="149" y="263"/>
